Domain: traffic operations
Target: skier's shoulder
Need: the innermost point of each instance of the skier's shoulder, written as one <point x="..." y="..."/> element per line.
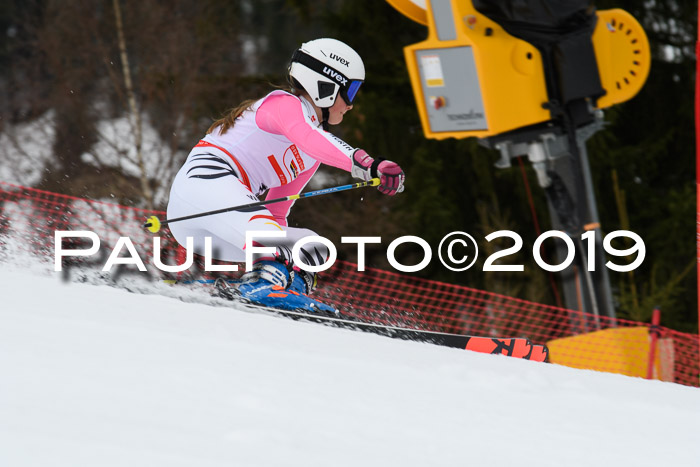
<point x="287" y="104"/>
<point x="280" y="96"/>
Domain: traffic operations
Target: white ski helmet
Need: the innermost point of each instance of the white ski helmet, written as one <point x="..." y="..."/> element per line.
<point x="325" y="68"/>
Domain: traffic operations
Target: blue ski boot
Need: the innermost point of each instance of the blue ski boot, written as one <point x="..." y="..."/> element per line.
<point x="271" y="284"/>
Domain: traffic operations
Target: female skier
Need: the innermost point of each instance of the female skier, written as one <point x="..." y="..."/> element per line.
<point x="275" y="144"/>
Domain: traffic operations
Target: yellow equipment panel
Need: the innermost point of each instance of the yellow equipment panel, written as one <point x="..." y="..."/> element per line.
<point x="471" y="78"/>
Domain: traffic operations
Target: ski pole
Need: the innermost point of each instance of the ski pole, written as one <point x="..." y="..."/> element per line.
<point x="154" y="224"/>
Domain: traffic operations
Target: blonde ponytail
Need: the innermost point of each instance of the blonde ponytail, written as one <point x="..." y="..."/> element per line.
<point x="226" y="122"/>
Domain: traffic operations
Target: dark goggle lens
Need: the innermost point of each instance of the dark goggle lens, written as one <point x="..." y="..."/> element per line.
<point x="352" y="90"/>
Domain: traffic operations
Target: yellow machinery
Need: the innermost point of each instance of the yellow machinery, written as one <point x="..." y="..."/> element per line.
<point x="528" y="78"/>
<point x="471" y="78"/>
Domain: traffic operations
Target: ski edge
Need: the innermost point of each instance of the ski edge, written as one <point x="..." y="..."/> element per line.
<point x="518" y="347"/>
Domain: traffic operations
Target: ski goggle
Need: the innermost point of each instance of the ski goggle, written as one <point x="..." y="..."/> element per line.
<point x="349" y="92"/>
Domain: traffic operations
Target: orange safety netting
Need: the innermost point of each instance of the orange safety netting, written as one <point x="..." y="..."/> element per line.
<point x="30" y="217"/>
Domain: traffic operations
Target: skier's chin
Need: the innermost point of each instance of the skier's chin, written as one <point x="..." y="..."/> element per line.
<point x="335" y="121"/>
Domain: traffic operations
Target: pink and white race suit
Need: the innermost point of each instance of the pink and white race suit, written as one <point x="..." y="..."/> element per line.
<point x="276" y="145"/>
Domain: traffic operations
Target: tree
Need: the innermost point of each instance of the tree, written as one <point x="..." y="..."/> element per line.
<point x="178" y="65"/>
<point x="62" y="85"/>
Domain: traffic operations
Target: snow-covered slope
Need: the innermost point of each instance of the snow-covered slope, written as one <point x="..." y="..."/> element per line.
<point x="96" y="376"/>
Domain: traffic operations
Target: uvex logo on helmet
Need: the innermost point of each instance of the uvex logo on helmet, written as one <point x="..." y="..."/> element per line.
<point x="335" y="75"/>
<point x="340" y="59"/>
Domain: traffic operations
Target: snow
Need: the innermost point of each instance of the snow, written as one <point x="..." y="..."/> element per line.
<point x="26" y="147"/>
<point x="94" y="375"/>
<point x="115" y="147"/>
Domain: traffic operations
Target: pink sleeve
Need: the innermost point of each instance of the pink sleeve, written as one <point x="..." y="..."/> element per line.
<point x="280" y="210"/>
<point x="282" y="114"/>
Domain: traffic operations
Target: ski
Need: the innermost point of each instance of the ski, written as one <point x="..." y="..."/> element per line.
<point x="517" y="347"/>
<point x="540" y="353"/>
<point x="193" y="281"/>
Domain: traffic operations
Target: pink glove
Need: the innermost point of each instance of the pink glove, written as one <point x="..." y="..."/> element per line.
<point x="390" y="174"/>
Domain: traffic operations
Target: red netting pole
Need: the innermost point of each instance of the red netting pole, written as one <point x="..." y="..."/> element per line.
<point x="654" y="332"/>
<point x="697" y="161"/>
